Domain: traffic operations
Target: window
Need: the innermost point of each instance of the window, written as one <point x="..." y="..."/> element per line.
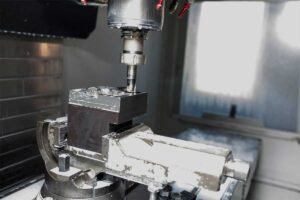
<point x="228" y="45"/>
<point x="288" y="26"/>
<point x="235" y="55"/>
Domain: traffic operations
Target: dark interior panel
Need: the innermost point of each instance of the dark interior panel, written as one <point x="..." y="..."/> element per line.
<point x="47" y="18"/>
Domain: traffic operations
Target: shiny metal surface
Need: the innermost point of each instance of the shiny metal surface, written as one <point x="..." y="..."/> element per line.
<point x="95" y="111"/>
<point x="101" y="139"/>
<point x="243" y="148"/>
<point x="231" y="189"/>
<point x="42" y="86"/>
<point x="131" y="78"/>
<point x="137" y="14"/>
<point x="133" y="47"/>
<point x="16" y="48"/>
<point x="153" y="164"/>
<point x="10" y="125"/>
<point x="106" y="190"/>
<point x="133" y="55"/>
<point x="161" y="160"/>
<point x="101" y="3"/>
<point x="64" y="162"/>
<point x="28" y="104"/>
<point x="17" y="155"/>
<point x="11" y="88"/>
<point x="30" y="90"/>
<point x="19" y="68"/>
<point x="34" y="86"/>
<point x="17" y="140"/>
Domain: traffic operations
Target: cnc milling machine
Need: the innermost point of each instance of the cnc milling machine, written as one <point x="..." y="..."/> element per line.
<point x="97" y="152"/>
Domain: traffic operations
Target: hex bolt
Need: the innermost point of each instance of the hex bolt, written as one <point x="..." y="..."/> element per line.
<point x="164" y="194"/>
<point x="154" y="189"/>
<point x="176" y="196"/>
<point x="153" y="196"/>
<point x="64" y="162"/>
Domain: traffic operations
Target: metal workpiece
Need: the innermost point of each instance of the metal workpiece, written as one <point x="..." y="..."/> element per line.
<point x="161" y="160"/>
<point x="95" y="112"/>
<point x="134" y="14"/>
<point x="110" y="99"/>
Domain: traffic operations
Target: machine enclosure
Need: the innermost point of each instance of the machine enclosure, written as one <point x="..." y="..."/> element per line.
<point x="137" y="14"/>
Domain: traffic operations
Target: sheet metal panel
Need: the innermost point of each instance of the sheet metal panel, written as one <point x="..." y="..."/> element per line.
<point x="17" y="140"/>
<point x="19" y="68"/>
<point x="11" y="88"/>
<point x="17" y="48"/>
<point x="42" y="86"/>
<point x="10" y="176"/>
<point x="28" y="104"/>
<point x="9" y="159"/>
<point x="27" y="121"/>
<point x="33" y="86"/>
<point x="30" y="90"/>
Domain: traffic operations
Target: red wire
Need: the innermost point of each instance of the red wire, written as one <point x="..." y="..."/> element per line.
<point x="84" y="2"/>
<point x="185" y="8"/>
<point x="159" y="4"/>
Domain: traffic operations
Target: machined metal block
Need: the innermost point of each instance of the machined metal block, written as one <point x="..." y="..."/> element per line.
<point x="95" y="112"/>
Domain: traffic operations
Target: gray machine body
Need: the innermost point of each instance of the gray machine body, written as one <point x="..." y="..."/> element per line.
<point x="68" y="191"/>
<point x="138" y="14"/>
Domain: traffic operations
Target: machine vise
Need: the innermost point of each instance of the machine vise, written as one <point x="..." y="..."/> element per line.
<point x="98" y="146"/>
